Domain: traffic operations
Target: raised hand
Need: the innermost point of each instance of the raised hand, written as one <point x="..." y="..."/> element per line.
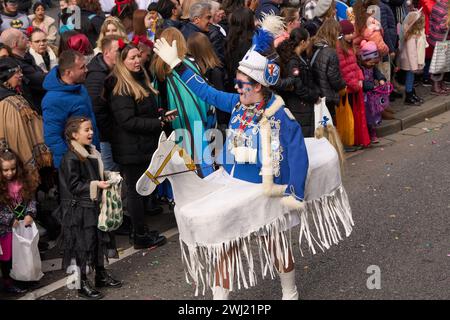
<point x="168" y="53"/>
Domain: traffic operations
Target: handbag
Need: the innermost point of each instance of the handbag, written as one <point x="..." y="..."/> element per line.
<point x="377" y="100"/>
<point x="345" y="124"/>
<point x="440" y="62"/>
<point x="322" y="115"/>
<point x="26" y="260"/>
<point x="111" y="209"/>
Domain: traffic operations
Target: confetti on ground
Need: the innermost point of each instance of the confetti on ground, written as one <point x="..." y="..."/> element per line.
<point x="433" y="141"/>
<point x="411" y="145"/>
<point x="392" y="216"/>
<point x="396" y="238"/>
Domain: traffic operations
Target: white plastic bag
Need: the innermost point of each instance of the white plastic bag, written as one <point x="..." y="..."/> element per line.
<point x="26" y="261"/>
<point x="321" y="114"/>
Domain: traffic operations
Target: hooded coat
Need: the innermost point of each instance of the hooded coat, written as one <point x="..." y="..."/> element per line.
<point x="61" y="102"/>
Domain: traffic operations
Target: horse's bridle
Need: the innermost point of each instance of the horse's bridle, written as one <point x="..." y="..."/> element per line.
<point x="191" y="166"/>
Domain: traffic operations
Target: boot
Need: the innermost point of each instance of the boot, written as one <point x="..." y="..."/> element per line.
<point x="104" y="279"/>
<point x="86" y="291"/>
<point x="416" y="97"/>
<point x="409" y="99"/>
<point x="148" y="239"/>
<point x="9" y="287"/>
<point x="288" y="286"/>
<point x="220" y="293"/>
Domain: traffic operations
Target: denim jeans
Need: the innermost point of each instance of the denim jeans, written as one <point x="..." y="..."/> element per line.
<point x="107" y="158"/>
<point x="409" y="81"/>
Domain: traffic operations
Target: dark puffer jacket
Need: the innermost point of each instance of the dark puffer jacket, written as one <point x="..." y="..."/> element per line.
<point x="137" y="127"/>
<point x="300" y="93"/>
<point x="98" y="70"/>
<point x="389" y="25"/>
<point x="217" y="39"/>
<point x="327" y="74"/>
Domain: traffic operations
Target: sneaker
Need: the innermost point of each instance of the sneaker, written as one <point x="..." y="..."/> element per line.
<point x="350" y="148"/>
<point x="426" y="82"/>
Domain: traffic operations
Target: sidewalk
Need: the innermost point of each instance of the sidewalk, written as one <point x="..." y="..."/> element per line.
<point x="408" y="116"/>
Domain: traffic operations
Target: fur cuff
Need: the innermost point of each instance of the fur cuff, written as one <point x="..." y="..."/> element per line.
<point x="93" y="190"/>
<point x="291" y="203"/>
<point x="273" y="190"/>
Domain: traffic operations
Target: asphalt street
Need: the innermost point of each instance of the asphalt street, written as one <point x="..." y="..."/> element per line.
<point x="400" y="197"/>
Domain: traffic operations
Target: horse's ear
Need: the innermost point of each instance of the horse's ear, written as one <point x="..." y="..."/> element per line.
<point x="162" y="137"/>
<point x="172" y="137"/>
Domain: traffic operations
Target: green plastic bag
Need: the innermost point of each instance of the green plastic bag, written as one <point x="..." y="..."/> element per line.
<point x="111" y="209"/>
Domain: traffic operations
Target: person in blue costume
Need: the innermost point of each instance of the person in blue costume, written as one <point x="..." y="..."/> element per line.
<point x="264" y="141"/>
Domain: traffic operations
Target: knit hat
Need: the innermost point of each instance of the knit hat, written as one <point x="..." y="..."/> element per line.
<point x="259" y="61"/>
<point x="346" y="27"/>
<point x="368" y="50"/>
<point x="8" y="67"/>
<point x="322" y="7"/>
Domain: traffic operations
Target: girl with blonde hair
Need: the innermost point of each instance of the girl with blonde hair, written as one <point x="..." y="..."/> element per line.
<point x="111" y="26"/>
<point x="138" y="122"/>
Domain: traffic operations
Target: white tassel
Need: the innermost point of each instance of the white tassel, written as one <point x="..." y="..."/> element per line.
<point x="326" y="216"/>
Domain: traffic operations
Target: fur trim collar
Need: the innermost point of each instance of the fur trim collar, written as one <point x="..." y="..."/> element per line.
<point x="94" y="154"/>
<point x="274" y="107"/>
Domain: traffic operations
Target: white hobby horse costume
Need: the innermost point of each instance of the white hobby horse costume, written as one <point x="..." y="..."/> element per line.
<point x="271" y="180"/>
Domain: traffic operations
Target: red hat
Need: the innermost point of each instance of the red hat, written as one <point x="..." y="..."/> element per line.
<point x="346" y="27"/>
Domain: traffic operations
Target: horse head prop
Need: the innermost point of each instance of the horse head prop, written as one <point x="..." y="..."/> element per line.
<point x="168" y="158"/>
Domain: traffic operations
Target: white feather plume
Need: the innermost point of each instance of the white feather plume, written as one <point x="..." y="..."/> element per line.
<point x="272" y="23"/>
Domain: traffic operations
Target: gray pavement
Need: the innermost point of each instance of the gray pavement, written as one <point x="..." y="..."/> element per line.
<point x="399" y="192"/>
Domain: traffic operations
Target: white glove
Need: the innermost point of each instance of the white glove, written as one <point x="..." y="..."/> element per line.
<point x="169" y="54"/>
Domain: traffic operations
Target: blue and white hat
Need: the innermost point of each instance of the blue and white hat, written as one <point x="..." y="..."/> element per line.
<point x="259" y="61"/>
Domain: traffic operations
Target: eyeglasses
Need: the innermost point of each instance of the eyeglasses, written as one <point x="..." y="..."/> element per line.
<point x="241" y="83"/>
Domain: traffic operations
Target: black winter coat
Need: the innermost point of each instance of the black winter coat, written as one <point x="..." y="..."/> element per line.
<point x="136" y="126"/>
<point x="33" y="78"/>
<point x="389" y="25"/>
<point x="233" y="59"/>
<point x="98" y="71"/>
<point x="327" y="74"/>
<point x="189" y="28"/>
<point x="75" y="178"/>
<point x="91" y="24"/>
<point x="168" y="23"/>
<point x="299" y="93"/>
<point x="218" y="41"/>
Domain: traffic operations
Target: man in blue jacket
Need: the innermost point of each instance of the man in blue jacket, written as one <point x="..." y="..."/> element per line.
<point x="66" y="97"/>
